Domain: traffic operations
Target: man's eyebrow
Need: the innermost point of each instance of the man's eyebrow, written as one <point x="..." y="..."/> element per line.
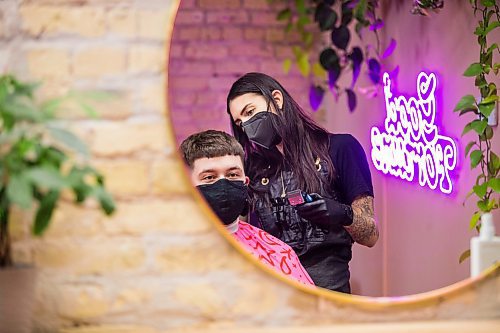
<point x="207" y="171"/>
<point x="235" y="168"/>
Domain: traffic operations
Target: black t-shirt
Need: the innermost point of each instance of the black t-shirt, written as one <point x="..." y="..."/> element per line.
<point x="353" y="177"/>
<point x="328" y="263"/>
<point x="324" y="253"/>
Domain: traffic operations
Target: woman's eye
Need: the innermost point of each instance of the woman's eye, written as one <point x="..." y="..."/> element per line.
<point x="208" y="178"/>
<point x="233" y="175"/>
<point x="250" y="112"/>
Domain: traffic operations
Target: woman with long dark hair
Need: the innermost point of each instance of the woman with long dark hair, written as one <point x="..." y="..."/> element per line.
<point x="310" y="188"/>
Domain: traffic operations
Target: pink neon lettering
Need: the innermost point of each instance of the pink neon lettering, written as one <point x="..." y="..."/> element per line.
<point x="410" y="142"/>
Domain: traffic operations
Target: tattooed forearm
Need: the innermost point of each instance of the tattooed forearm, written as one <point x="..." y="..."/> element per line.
<point x="363" y="228"/>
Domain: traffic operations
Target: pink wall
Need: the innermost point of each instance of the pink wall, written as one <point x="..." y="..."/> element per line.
<point x="422" y="232"/>
<point x="215" y="42"/>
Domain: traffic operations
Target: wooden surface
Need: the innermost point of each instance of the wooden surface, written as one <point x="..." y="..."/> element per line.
<point x="474" y="326"/>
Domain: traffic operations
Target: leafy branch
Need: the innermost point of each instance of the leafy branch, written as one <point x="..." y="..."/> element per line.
<point x="337" y="55"/>
<point x="480" y="150"/>
<point x="39" y="159"/>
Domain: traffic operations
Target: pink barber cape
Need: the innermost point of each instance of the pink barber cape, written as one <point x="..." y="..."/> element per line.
<point x="271" y="251"/>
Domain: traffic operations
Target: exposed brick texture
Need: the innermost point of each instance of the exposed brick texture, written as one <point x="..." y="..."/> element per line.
<point x="214" y="43"/>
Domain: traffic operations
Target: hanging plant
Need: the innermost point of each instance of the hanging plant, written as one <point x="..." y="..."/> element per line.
<point x="422" y="7"/>
<point x="482" y="157"/>
<point x="324" y="60"/>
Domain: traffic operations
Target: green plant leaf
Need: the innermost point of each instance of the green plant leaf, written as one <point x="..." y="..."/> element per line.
<point x="318" y="71"/>
<point x="302" y="22"/>
<point x="473" y="70"/>
<point x="486" y="109"/>
<point x="491" y="26"/>
<point x="494" y="184"/>
<point x="307" y="38"/>
<point x="479" y="31"/>
<point x="468" y="147"/>
<point x="53" y="156"/>
<point x="301" y="6"/>
<point x="23" y="110"/>
<point x="483" y="205"/>
<point x="19" y="190"/>
<point x="76" y="178"/>
<point x="105" y="200"/>
<point x="467" y="128"/>
<point x="471" y="192"/>
<point x="360" y="10"/>
<point x="479" y="126"/>
<point x="480" y="190"/>
<point x="284" y="15"/>
<point x="490" y="99"/>
<point x="287" y="64"/>
<point x="487" y="135"/>
<point x="472" y="109"/>
<point x="495" y="160"/>
<point x="475" y="157"/>
<point x="303" y="64"/>
<point x="480" y="81"/>
<point x="492" y="89"/>
<point x="297" y="52"/>
<point x="496" y="67"/>
<point x="474" y="219"/>
<point x="464" y="256"/>
<point x="69" y="140"/>
<point x="44" y="212"/>
<point x="488" y="3"/>
<point x="479" y="177"/>
<point x="325" y="16"/>
<point x="492" y="48"/>
<point x="51" y="106"/>
<point x="47" y="177"/>
<point x="468" y="101"/>
<point x="491" y="205"/>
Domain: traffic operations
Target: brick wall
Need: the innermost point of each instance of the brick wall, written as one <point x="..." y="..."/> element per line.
<point x="215" y="42"/>
<point x="158" y="263"/>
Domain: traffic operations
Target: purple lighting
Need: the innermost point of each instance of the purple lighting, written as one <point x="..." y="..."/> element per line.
<point x="410" y="146"/>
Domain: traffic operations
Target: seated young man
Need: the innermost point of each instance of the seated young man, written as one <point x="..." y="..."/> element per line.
<point x="215" y="159"/>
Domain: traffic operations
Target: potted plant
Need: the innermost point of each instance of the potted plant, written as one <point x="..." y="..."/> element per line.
<point x="482" y="156"/>
<point x="39" y="159"/>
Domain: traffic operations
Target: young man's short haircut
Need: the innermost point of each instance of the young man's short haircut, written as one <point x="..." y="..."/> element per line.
<point x="210" y="143"/>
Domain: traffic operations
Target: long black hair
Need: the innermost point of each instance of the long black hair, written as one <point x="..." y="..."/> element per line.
<point x="303" y="140"/>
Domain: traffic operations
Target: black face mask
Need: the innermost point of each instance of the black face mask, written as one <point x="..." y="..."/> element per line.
<point x="259" y="129"/>
<point x="228" y="198"/>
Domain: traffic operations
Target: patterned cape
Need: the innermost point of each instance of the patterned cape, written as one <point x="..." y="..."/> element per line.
<point x="272" y="252"/>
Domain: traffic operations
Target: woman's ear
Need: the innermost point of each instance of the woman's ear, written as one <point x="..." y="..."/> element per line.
<point x="278" y="98"/>
<point x="247" y="180"/>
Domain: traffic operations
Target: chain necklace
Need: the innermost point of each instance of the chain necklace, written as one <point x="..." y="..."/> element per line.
<point x="283" y="187"/>
<point x="265" y="180"/>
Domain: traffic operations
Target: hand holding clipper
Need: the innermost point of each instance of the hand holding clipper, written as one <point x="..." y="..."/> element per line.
<point x="325" y="211"/>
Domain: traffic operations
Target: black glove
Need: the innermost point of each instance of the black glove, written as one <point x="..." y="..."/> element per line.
<point x="325" y="212"/>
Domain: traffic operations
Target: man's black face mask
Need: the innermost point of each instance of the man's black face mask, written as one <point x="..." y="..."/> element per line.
<point x="228" y="198"/>
<point x="259" y="129"/>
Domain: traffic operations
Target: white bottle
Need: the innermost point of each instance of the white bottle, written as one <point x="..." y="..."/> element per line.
<point x="485" y="249"/>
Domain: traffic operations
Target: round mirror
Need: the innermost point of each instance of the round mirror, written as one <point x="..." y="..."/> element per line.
<point x="423" y="231"/>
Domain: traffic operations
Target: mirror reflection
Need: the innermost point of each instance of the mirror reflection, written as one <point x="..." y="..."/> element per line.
<point x="216" y="165"/>
<point x="307" y="177"/>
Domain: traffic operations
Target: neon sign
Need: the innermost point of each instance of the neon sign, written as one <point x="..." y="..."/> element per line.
<point x="410" y="146"/>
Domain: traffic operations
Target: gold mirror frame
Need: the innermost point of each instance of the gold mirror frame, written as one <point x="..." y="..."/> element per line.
<point x="426" y="299"/>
